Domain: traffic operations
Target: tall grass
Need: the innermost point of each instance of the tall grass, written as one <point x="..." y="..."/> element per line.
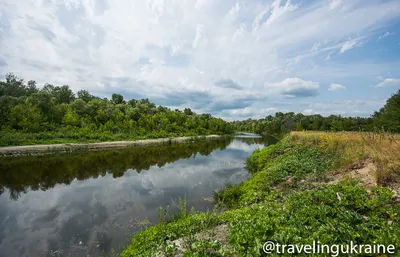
<point x="383" y="149"/>
<point x="283" y="200"/>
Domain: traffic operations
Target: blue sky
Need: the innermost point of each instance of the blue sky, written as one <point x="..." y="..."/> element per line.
<point x="233" y="59"/>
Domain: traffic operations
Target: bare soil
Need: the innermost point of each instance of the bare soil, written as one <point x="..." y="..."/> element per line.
<point x="365" y="172"/>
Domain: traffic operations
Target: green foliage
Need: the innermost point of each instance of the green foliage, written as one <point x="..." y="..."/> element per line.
<point x="117" y="99"/>
<point x="85" y="96"/>
<point x="229" y="195"/>
<point x="273" y="166"/>
<point x="26" y="117"/>
<point x="156" y="238"/>
<point x="283" y="202"/>
<point x="15" y="87"/>
<point x="59" y="116"/>
<point x="388" y="118"/>
<point x="316" y="215"/>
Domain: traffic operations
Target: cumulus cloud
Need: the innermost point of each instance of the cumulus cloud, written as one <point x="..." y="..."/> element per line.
<point x="308" y="112"/>
<point x="294" y="87"/>
<point x="390" y="82"/>
<point x="228" y="83"/>
<point x="234" y="102"/>
<point x="171" y="49"/>
<point x="335" y="86"/>
<point x="251" y="112"/>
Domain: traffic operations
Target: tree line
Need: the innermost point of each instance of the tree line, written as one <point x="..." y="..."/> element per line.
<point x="55" y="114"/>
<point x="29" y="115"/>
<point x="386" y="119"/>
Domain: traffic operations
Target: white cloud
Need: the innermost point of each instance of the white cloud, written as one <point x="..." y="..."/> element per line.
<point x="389" y="83"/>
<point x="251" y="112"/>
<point x="334" y="3"/>
<point x="348" y="45"/>
<point x="234" y="11"/>
<point x="334" y="86"/>
<point x="163" y="49"/>
<point x="242" y="112"/>
<point x="203" y="3"/>
<point x="278" y="10"/>
<point x="199" y="30"/>
<point x="257" y="20"/>
<point x="294" y="87"/>
<point x="315" y="47"/>
<point x="385" y="35"/>
<point x="308" y="112"/>
<point x="328" y="57"/>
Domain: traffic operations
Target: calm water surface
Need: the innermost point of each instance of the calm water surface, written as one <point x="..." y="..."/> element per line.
<point x="88" y="203"/>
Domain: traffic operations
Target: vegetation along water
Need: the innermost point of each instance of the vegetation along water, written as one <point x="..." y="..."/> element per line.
<point x="329" y="179"/>
<point x="75" y="204"/>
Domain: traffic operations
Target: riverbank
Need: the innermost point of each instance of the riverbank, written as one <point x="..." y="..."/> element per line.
<point x="54" y="148"/>
<point x="327" y="187"/>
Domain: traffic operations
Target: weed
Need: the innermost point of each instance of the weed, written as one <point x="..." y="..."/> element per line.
<point x="285" y="201"/>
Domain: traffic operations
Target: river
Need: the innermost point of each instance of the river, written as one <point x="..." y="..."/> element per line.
<point x="86" y="204"/>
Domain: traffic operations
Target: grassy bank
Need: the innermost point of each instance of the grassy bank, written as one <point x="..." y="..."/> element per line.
<point x="71" y="135"/>
<point x="48" y="149"/>
<point x="329" y="187"/>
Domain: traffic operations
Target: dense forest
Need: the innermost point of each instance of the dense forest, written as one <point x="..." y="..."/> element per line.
<point x="54" y="114"/>
<point x="386" y="119"/>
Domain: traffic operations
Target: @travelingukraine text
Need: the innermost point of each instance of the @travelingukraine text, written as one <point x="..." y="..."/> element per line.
<point x="334" y="250"/>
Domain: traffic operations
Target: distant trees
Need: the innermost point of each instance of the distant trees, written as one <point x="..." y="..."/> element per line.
<point x="188" y="111"/>
<point x="387" y="118"/>
<point x="117" y="99"/>
<point x="15" y="87"/>
<point x="85" y="96"/>
<point x="58" y="111"/>
<point x="389" y="115"/>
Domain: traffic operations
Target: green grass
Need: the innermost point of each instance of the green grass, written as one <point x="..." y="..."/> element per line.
<point x="15" y="138"/>
<point x="285" y="200"/>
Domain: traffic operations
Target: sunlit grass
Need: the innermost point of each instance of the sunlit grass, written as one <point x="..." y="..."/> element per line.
<point x="383" y="149"/>
<point x="287" y="200"/>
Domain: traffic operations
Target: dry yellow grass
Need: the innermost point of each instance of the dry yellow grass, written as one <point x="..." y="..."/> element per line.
<point x="383" y="149"/>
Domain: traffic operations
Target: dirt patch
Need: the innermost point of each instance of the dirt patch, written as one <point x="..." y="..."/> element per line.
<point x="365" y="172"/>
<point x="218" y="233"/>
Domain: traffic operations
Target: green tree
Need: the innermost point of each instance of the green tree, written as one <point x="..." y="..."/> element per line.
<point x="389" y="116"/>
<point x="13" y="86"/>
<point x="71" y="118"/>
<point x="7" y="103"/>
<point x="45" y="102"/>
<point x="27" y="117"/>
<point x="188" y="111"/>
<point x="63" y="95"/>
<point x="85" y="95"/>
<point x="117" y="99"/>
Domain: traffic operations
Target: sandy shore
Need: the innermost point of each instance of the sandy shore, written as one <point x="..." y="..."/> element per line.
<point x="33" y="149"/>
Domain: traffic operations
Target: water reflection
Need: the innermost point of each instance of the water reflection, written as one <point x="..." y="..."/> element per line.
<point x="83" y="204"/>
